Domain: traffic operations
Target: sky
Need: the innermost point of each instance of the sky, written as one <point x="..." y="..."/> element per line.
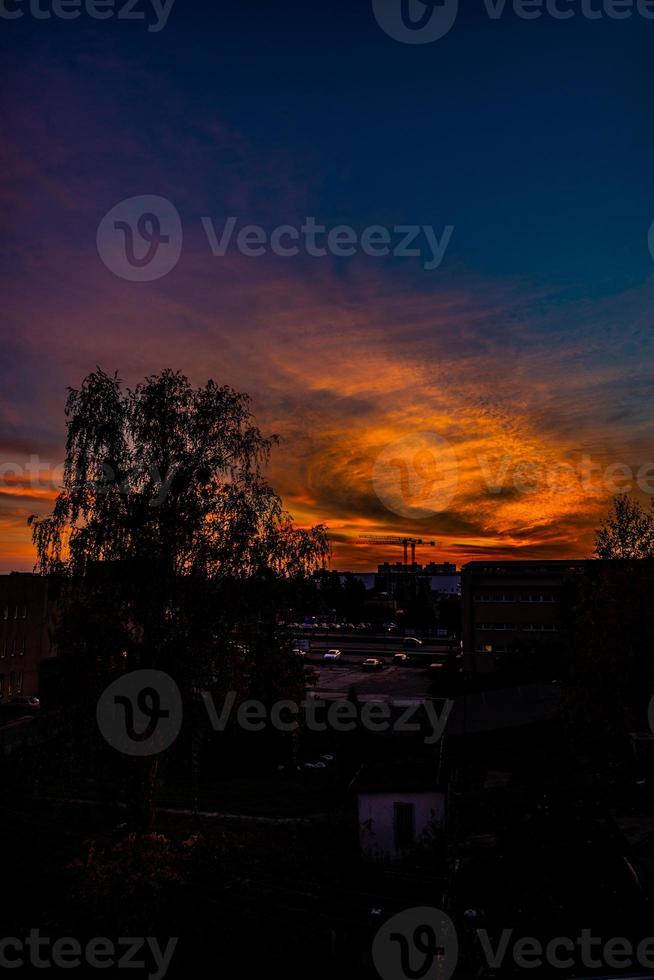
<point x="491" y="392"/>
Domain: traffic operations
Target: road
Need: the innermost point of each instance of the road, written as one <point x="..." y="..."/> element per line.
<point x="361" y="645"/>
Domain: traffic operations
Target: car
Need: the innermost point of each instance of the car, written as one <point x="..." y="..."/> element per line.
<point x="389" y="626"/>
<point x="332" y="655"/>
<point x="299" y="653"/>
<point x="438" y="667"/>
<point x="372" y="663"/>
<point x="400" y="658"/>
<point x="411" y="641"/>
<point x="27" y="703"/>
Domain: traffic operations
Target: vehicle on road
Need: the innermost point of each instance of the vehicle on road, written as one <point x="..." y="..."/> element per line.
<point x="332" y="655"/>
<point x="400" y="658"/>
<point x="372" y="663"/>
<point x="409" y="642"/>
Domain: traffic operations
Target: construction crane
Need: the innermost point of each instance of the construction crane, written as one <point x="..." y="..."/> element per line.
<point x="405" y="542"/>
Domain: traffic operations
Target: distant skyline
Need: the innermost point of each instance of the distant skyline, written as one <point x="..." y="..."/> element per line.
<point x="528" y="346"/>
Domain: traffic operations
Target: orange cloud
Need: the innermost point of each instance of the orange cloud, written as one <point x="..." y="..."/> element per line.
<point x="342" y="367"/>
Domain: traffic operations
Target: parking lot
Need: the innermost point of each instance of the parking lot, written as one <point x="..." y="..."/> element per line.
<point x="389" y="683"/>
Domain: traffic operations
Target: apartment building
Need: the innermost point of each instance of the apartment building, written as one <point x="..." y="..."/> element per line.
<point x="516" y="611"/>
<point x="25" y="633"/>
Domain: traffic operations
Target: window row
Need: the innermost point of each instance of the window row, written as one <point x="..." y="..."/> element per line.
<point x="14" y="612"/>
<point x="13" y="647"/>
<point x="11" y="684"/>
<point x="511" y="597"/>
<point x="521" y="627"/>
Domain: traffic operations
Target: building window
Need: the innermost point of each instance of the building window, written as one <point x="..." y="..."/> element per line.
<point x="13" y="647"/>
<point x="21" y="647"/>
<point x="5" y="612"/>
<point x="19" y="682"/>
<point x="15" y="612"/>
<point x="3" y="649"/>
<point x="404" y="823"/>
<point x="2" y="686"/>
<point x="24" y="612"/>
<point x="10" y="688"/>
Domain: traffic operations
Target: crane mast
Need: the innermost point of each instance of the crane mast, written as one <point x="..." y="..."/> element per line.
<point x="405" y="542"/>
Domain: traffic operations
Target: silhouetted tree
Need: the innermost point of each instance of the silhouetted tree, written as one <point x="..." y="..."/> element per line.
<point x="172" y="543"/>
<point x="609" y="671"/>
<point x="628" y="532"/>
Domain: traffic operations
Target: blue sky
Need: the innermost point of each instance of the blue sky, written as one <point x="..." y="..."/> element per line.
<point x="533" y="139"/>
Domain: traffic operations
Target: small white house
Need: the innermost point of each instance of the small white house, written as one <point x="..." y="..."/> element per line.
<point x="397" y="806"/>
